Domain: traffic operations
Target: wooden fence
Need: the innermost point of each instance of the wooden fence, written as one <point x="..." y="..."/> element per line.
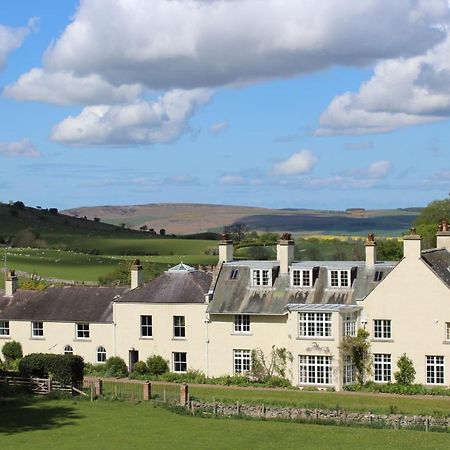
<point x="40" y="386"/>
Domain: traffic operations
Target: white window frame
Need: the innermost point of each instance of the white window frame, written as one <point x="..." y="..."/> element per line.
<point x="447" y="331"/>
<point x="315" y="325"/>
<point x="146" y="328"/>
<point x="382" y="367"/>
<point x="349" y="371"/>
<point x="339" y="278"/>
<point x="68" y="350"/>
<point x="435" y="369"/>
<point x="315" y="370"/>
<point x="101" y="354"/>
<point x="261" y="277"/>
<point x="242" y="323"/>
<point x="242" y="361"/>
<point x="382" y="328"/>
<point x="82" y="331"/>
<point x="179" y="362"/>
<point x="179" y="327"/>
<point x="37" y="330"/>
<point x="301" y="278"/>
<point x="4" y="328"/>
<point x="349" y="322"/>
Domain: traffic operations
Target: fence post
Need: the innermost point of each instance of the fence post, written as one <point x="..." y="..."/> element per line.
<point x="184" y="391"/>
<point x="147" y="386"/>
<point x="98" y="387"/>
<point x="49" y="384"/>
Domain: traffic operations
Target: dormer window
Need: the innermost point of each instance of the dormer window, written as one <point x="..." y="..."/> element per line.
<point x="234" y="274"/>
<point x="261" y="277"/>
<point x="339" y="278"/>
<point x="301" y="278"/>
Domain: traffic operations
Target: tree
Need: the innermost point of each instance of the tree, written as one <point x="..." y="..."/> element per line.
<point x="357" y="348"/>
<point x="97" y="219"/>
<point x="12" y="351"/>
<point x="237" y="231"/>
<point x="389" y="250"/>
<point x="406" y="372"/>
<point x="162" y="232"/>
<point x="276" y="365"/>
<point x="143" y="228"/>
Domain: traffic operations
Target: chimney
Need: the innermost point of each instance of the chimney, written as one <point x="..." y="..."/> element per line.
<point x="137" y="274"/>
<point x="11" y="283"/>
<point x="371" y="251"/>
<point x="412" y="245"/>
<point x="225" y="249"/>
<point x="443" y="235"/>
<point x="285" y="252"/>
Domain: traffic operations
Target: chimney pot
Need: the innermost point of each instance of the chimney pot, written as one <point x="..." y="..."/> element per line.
<point x="285" y="252"/>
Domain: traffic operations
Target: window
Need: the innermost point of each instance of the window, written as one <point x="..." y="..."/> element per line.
<point x="315" y="369"/>
<point x="242" y="323"/>
<point x="435" y="370"/>
<point x="349" y="375"/>
<point x="146" y="326"/>
<point x="301" y="278"/>
<point x="179" y="327"/>
<point x="447" y="331"/>
<point x="382" y="329"/>
<point x="261" y="277"/>
<point x="83" y="331"/>
<point x="314" y="324"/>
<point x="234" y="274"/>
<point x="4" y="327"/>
<point x="179" y="362"/>
<point x="37" y="329"/>
<point x="339" y="278"/>
<point x="350" y="323"/>
<point x="101" y="354"/>
<point x="382" y="367"/>
<point x="242" y="361"/>
<point x="378" y="276"/>
<point x="68" y="350"/>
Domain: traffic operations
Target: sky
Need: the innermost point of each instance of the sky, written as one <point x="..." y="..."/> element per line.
<point x="324" y="104"/>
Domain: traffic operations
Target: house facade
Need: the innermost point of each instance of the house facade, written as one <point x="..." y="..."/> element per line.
<point x="212" y="322"/>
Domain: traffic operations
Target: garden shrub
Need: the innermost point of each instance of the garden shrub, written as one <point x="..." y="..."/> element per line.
<point x="96" y="370"/>
<point x="157" y="365"/>
<point x="406" y="372"/>
<point x="115" y="367"/>
<point x="140" y="367"/>
<point x="12" y="350"/>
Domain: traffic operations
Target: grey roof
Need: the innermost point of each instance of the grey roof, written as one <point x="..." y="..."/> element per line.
<point x="171" y="287"/>
<point x="237" y="296"/>
<point x="439" y="261"/>
<point x="60" y="303"/>
<point x="324" y="307"/>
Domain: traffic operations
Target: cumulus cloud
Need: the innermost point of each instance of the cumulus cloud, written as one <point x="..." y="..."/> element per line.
<point x="402" y="92"/>
<point x="299" y="163"/>
<point x="190" y="43"/>
<point x="141" y="122"/>
<point x="12" y="38"/>
<point x="218" y="127"/>
<point x="23" y="147"/>
<point x="63" y="88"/>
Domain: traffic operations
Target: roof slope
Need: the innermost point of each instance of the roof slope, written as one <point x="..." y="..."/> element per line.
<point x="439" y="261"/>
<point x="171" y="287"/>
<point x="61" y="303"/>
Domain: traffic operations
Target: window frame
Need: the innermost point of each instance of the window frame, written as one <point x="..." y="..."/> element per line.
<point x="5" y="329"/>
<point x="349" y="371"/>
<point x="82" y="331"/>
<point x="177" y="360"/>
<point x="336" y="278"/>
<point x="242" y="324"/>
<point x="298" y="278"/>
<point x="447" y="331"/>
<point x="66" y="350"/>
<point x="148" y="327"/>
<point x="315" y="325"/>
<point x="261" y="277"/>
<point x="101" y="354"/>
<point x="242" y="362"/>
<point x="350" y="323"/>
<point x="315" y="370"/>
<point x="435" y="368"/>
<point x="382" y="329"/>
<point x="179" y="329"/>
<point x="382" y="367"/>
<point x="37" y="330"/>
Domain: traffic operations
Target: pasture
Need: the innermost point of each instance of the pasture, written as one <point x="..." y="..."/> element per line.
<point x="40" y="424"/>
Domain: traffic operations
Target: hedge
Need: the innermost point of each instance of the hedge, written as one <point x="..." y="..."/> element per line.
<point x="63" y="368"/>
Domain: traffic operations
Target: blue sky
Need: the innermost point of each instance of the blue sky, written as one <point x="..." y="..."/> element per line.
<point x="313" y="104"/>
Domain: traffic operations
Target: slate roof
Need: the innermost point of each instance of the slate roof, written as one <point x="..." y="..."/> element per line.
<point x="61" y="303"/>
<point x="439" y="261"/>
<point x="171" y="287"/>
<point x="237" y="296"/>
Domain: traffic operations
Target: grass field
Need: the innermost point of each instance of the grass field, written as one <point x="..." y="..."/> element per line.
<point x="67" y="424"/>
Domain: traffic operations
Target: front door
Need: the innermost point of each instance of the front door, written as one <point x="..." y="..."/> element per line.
<point x="133" y="359"/>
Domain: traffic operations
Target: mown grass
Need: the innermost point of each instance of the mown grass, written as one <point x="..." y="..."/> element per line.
<point x="378" y="404"/>
<point x="68" y="424"/>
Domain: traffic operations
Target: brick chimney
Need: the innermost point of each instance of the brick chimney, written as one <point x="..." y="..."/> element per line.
<point x="137" y="274"/>
<point x="285" y="252"/>
<point x="443" y="235"/>
<point x="225" y="249"/>
<point x="371" y="251"/>
<point x="412" y="245"/>
<point x="11" y="283"/>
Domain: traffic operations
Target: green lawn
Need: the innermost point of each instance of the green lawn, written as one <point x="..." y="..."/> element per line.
<point x="380" y="404"/>
<point x="68" y="424"/>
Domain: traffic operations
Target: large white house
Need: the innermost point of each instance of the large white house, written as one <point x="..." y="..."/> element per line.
<point x="212" y="322"/>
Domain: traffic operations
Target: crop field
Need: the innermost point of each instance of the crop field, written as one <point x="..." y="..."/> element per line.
<point x="40" y="424"/>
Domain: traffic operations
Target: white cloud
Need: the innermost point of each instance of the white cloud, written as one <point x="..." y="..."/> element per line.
<point x="379" y="169"/>
<point x="236" y="180"/>
<point x="299" y="163"/>
<point x="402" y="92"/>
<point x="140" y="122"/>
<point x="195" y="43"/>
<point x="63" y="88"/>
<point x="23" y="147"/>
<point x="12" y="38"/>
<point x="218" y="127"/>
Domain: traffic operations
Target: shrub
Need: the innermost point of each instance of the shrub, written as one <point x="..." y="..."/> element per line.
<point x="116" y="367"/>
<point x="157" y="365"/>
<point x="140" y="367"/>
<point x="96" y="370"/>
<point x="406" y="372"/>
<point x="12" y="350"/>
<point x="63" y="368"/>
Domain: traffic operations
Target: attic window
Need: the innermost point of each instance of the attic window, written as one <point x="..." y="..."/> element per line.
<point x="301" y="278"/>
<point x="234" y="274"/>
<point x="339" y="278"/>
<point x="261" y="277"/>
<point x="378" y="276"/>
